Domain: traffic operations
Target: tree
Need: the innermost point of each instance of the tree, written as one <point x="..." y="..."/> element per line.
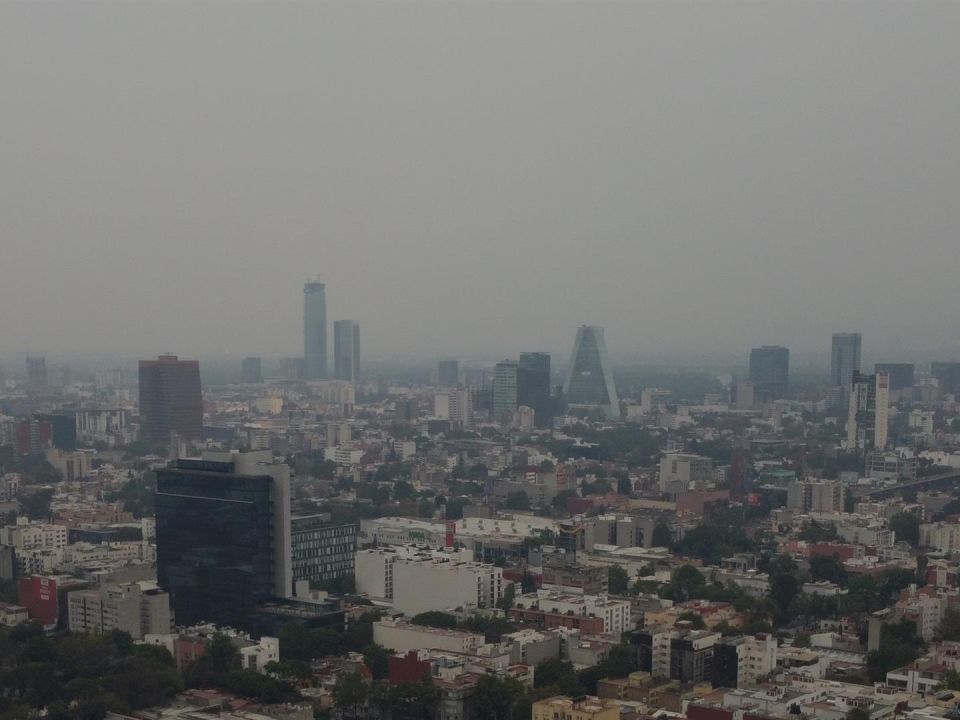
<point x="906" y="526"/>
<point x="377" y="659"/>
<point x="618" y="580"/>
<point x="518" y="500"/>
<point x="527" y="583"/>
<point x="828" y="568"/>
<point x="494" y="697"/>
<point x="36" y="505"/>
<point x="783" y="589"/>
<point x="950" y="625"/>
<point x="857" y="714"/>
<point x="815" y="532"/>
<point x="899" y="645"/>
<point x="662" y="536"/>
<point x="413" y="701"/>
<point x="506" y="602"/>
<point x="351" y="693"/>
<point x="557" y="673"/>
<point x="686" y="583"/>
<point x="435" y="618"/>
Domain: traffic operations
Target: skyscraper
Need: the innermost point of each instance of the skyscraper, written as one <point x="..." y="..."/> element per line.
<point x="844" y="358"/>
<point x="867" y="415"/>
<point x="36" y="372"/>
<point x="504" y="388"/>
<point x="315" y="330"/>
<point x="769" y="372"/>
<point x="223" y="535"/>
<point x="947" y="375"/>
<point x="170" y="399"/>
<point x="251" y="371"/>
<point x="533" y="386"/>
<point x="448" y="373"/>
<point x="346" y="350"/>
<point x="589" y="384"/>
<point x="901" y="374"/>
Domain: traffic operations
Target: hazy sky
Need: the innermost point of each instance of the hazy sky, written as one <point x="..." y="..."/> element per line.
<point x="476" y="177"/>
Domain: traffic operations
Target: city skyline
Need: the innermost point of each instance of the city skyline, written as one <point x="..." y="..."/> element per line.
<point x="804" y="189"/>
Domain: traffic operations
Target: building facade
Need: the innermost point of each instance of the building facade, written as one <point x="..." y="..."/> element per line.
<point x="170" y="399"/>
<point x="315" y="330"/>
<point x="346" y="350"/>
<point x="868" y="413"/>
<point x="533" y="386"/>
<point x="589" y="382"/>
<point x="505" y="389"/>
<point x="770" y="373"/>
<point x="322" y="551"/>
<point x="844" y="358"/>
<point x="223" y="535"/>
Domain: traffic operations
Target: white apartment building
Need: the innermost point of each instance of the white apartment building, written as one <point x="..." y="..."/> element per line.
<point x="400" y="576"/>
<point x="943" y="536"/>
<point x="402" y="531"/>
<point x="756" y="657"/>
<point x="614" y="613"/>
<point x="26" y="535"/>
<point x="400" y="636"/>
<point x="343" y="455"/>
<point x="256" y="657"/>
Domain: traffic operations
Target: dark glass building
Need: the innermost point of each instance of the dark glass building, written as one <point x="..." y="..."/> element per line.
<point x="63" y="427"/>
<point x="844" y="358"/>
<point x="448" y="373"/>
<point x="251" y="371"/>
<point x="769" y="372"/>
<point x="323" y="551"/>
<point x="533" y="386"/>
<point x="346" y="350"/>
<point x="947" y="375"/>
<point x="223" y="536"/>
<point x="170" y="399"/>
<point x="901" y="374"/>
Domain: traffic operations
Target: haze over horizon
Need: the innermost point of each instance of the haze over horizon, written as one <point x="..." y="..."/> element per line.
<point x="479" y="179"/>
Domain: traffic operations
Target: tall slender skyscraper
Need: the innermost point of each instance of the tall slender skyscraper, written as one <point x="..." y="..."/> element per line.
<point x="844" y="359"/>
<point x="769" y="372"/>
<point x="533" y="386"/>
<point x="504" y="388"/>
<point x="170" y="399"/>
<point x="589" y="384"/>
<point x="315" y="330"/>
<point x="346" y="350"/>
<point x="867" y="415"/>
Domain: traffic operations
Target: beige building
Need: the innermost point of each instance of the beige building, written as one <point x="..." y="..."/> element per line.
<point x="401" y="637"/>
<point x="139" y="608"/>
<point x="588" y="707"/>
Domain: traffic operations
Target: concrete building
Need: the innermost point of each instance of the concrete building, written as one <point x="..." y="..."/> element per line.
<point x="586" y="707"/>
<point x="653" y="399"/>
<point x="26" y="535"/>
<point x="678" y="654"/>
<point x="323" y="551"/>
<point x="613" y="614"/>
<point x="943" y="536"/>
<point x="743" y="661"/>
<point x="400" y="636"/>
<point x="681" y="471"/>
<point x="256" y="657"/>
<point x="815" y="496"/>
<point x="137" y="608"/>
<point x="867" y="417"/>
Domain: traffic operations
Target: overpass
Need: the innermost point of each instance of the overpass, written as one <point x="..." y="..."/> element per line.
<point x="941" y="481"/>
